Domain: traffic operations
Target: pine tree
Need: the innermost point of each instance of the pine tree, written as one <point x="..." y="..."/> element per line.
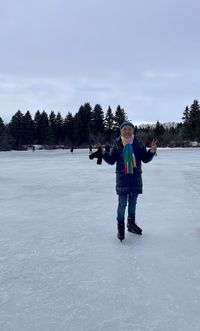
<point x="109" y="123"/>
<point x="3" y="137"/>
<point x="59" y="129"/>
<point x="186" y="114"/>
<point x="28" y="129"/>
<point x="119" y="118"/>
<point x="42" y="128"/>
<point x="7" y="141"/>
<point x="97" y="122"/>
<point x="68" y="129"/>
<point x="52" y="128"/>
<point x="82" y="124"/>
<point x="37" y="126"/>
<point x="195" y="120"/>
<point x="16" y="129"/>
<point x="191" y="122"/>
<point x="187" y="128"/>
<point x="2" y="126"/>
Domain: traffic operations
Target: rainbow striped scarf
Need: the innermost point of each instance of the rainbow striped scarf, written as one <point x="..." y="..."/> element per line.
<point x="128" y="155"/>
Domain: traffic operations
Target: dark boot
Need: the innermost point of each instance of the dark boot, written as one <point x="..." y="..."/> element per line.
<point x="121" y="231"/>
<point x="133" y="227"/>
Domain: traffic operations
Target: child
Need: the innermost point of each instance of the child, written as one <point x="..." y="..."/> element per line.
<point x="127" y="153"/>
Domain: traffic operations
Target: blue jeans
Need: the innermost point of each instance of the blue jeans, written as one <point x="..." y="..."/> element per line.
<point x="122" y="202"/>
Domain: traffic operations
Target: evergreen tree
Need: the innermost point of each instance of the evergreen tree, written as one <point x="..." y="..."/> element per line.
<point x="59" y="129"/>
<point x="186" y="114"/>
<point x="2" y="126"/>
<point x="187" y="134"/>
<point x="68" y="129"/>
<point x="28" y="129"/>
<point x="6" y="140"/>
<point x="97" y="121"/>
<point x="37" y="126"/>
<point x="82" y="124"/>
<point x="52" y="128"/>
<point x="42" y="127"/>
<point x="109" y="123"/>
<point x="195" y="120"/>
<point x="16" y="129"/>
<point x="3" y="142"/>
<point x="191" y="122"/>
<point x="119" y="118"/>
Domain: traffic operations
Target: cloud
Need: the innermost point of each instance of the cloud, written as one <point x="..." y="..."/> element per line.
<point x="60" y="54"/>
<point x="142" y="99"/>
<point x="33" y="93"/>
<point x="151" y="74"/>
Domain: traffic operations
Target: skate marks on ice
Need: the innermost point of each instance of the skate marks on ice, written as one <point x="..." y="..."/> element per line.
<point x="62" y="266"/>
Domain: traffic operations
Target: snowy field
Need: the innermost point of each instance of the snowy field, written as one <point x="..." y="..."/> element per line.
<point x="61" y="265"/>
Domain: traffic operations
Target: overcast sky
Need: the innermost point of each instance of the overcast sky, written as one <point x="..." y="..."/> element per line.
<point x="59" y="54"/>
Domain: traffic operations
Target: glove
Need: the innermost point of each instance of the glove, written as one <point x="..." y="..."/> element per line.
<point x="97" y="154"/>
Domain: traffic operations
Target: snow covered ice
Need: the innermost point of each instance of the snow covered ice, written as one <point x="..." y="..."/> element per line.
<point x="61" y="264"/>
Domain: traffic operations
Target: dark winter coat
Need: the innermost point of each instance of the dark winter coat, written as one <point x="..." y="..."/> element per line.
<point x="131" y="183"/>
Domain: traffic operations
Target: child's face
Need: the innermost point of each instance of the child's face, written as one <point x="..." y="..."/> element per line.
<point x="127" y="131"/>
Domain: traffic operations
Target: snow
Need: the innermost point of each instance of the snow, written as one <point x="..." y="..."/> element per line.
<point x="61" y="265"/>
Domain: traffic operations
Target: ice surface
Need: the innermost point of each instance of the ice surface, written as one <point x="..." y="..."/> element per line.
<point x="61" y="265"/>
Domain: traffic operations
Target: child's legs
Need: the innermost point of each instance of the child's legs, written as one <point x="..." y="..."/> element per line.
<point x="122" y="202"/>
<point x="132" y="201"/>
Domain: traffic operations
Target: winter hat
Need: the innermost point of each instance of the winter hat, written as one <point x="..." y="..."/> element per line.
<point x="126" y="123"/>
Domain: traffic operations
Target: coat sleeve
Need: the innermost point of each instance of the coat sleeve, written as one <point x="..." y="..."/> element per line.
<point x="146" y="155"/>
<point x="111" y="157"/>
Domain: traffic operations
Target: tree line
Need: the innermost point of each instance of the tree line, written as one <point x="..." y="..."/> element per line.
<point x="91" y="125"/>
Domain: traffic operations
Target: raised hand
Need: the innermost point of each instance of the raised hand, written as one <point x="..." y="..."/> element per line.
<point x="154" y="145"/>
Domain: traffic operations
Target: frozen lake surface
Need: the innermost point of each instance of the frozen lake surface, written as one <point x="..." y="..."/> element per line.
<point x="61" y="265"/>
